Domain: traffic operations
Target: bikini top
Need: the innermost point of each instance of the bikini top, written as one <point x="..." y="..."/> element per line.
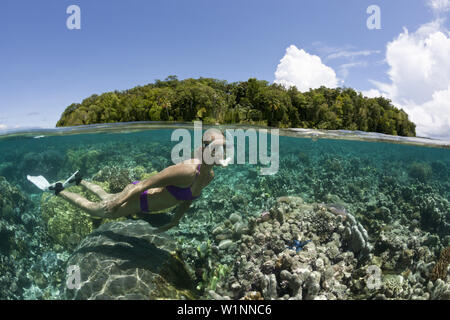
<point x="184" y="194"/>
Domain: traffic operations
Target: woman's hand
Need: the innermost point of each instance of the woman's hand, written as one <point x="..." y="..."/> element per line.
<point x="182" y="208"/>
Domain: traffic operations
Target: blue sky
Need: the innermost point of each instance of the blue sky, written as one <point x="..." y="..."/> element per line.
<point x="121" y="44"/>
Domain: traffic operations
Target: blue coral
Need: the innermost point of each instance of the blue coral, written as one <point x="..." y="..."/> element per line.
<point x="298" y="245"/>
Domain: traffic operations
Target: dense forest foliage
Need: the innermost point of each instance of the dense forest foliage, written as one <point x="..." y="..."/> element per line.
<point x="250" y="102"/>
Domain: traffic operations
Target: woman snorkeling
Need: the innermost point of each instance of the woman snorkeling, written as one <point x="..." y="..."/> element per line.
<point x="178" y="184"/>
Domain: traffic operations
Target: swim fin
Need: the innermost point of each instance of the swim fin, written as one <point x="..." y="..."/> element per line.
<point x="39" y="182"/>
<point x="44" y="185"/>
<point x="76" y="177"/>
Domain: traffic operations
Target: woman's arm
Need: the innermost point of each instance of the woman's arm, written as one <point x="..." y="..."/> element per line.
<point x="173" y="175"/>
<point x="181" y="210"/>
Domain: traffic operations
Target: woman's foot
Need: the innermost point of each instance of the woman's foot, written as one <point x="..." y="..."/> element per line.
<point x="76" y="177"/>
<point x="57" y="187"/>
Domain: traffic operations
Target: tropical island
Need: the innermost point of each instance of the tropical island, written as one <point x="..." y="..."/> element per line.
<point x="255" y="102"/>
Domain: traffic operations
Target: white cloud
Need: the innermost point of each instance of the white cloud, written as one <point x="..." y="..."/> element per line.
<point x="372" y="93"/>
<point x="351" y="54"/>
<point x="419" y="63"/>
<point x="305" y="71"/>
<point x="419" y="70"/>
<point x="344" y="68"/>
<point x="439" y="5"/>
<point x="3" y="126"/>
<point x="433" y="117"/>
<point x="325" y="49"/>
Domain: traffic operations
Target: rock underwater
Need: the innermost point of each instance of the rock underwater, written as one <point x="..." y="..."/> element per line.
<point x="124" y="260"/>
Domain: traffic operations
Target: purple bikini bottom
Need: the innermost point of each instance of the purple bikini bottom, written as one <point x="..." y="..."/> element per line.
<point x="144" y="199"/>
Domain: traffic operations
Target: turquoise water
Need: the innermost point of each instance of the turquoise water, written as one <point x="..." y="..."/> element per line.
<point x="398" y="193"/>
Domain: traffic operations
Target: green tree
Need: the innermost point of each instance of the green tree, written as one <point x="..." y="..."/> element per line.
<point x="252" y="101"/>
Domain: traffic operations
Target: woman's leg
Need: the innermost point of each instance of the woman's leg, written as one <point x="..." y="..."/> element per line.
<point x="95" y="209"/>
<point x="95" y="189"/>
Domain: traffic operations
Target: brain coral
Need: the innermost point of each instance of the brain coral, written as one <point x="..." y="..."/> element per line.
<point x="67" y="224"/>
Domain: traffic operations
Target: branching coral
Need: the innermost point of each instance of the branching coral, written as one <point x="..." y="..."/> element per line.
<point x="211" y="277"/>
<point x="440" y="269"/>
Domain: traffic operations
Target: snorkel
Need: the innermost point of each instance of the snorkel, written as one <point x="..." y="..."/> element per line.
<point x="221" y="154"/>
<point x="213" y="152"/>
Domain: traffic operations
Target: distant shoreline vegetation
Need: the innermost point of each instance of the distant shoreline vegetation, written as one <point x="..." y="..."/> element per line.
<point x="254" y="102"/>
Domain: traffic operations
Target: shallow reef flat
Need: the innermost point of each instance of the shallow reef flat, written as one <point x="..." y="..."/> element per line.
<point x="337" y="262"/>
<point x="340" y="220"/>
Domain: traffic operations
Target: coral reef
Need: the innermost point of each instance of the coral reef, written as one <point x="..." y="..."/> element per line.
<point x="13" y="203"/>
<point x="357" y="238"/>
<point x="84" y="158"/>
<point x="125" y="260"/>
<point x="47" y="163"/>
<point x="363" y="206"/>
<point x="420" y="171"/>
<point x="440" y="269"/>
<point x="334" y="265"/>
<point x="47" y="276"/>
<point x="67" y="225"/>
<point x="116" y="178"/>
<point x="22" y="240"/>
<point x="267" y="267"/>
<point x="440" y="290"/>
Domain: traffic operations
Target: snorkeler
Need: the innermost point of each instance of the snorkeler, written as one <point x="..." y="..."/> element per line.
<point x="178" y="184"/>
